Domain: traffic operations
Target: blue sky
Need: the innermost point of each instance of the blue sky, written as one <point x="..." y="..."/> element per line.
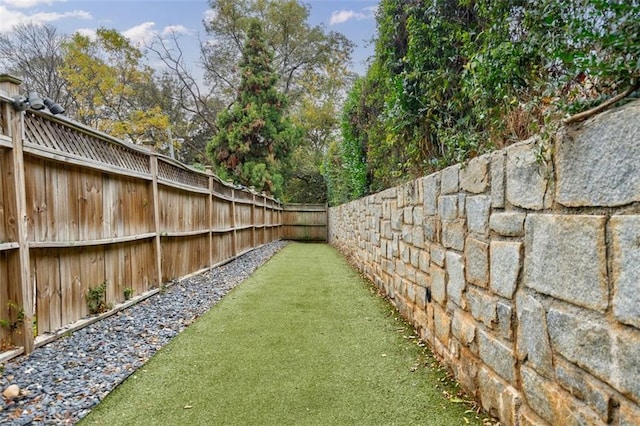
<point x="142" y="19"/>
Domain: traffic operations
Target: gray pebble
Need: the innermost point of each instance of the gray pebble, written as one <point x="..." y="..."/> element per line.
<point x="64" y="379"/>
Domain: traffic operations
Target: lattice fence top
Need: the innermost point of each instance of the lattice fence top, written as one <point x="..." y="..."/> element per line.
<point x="42" y="130"/>
<point x="174" y="173"/>
<point x="56" y="136"/>
<point x="222" y="189"/>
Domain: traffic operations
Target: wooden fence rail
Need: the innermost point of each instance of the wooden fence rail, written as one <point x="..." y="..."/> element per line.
<point x="79" y="208"/>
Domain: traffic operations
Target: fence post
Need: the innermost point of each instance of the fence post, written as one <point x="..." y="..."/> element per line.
<point x="24" y="290"/>
<point x="265" y="239"/>
<point x="234" y="244"/>
<point x="153" y="159"/>
<point x="210" y="215"/>
<point x="253" y="221"/>
<point x="280" y="216"/>
<point x="326" y="219"/>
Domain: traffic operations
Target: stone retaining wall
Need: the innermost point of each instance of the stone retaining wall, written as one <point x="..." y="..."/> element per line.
<point x="521" y="269"/>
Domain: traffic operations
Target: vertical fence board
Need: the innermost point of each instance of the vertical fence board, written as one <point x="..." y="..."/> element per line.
<point x="5" y="194"/>
<point x="66" y="287"/>
<point x="60" y="216"/>
<point x="114" y="273"/>
<point x="47" y="270"/>
<point x="155" y="200"/>
<point x="92" y="267"/>
<point x="36" y="195"/>
<point x="19" y="272"/>
<point x="5" y="336"/>
<point x="90" y="205"/>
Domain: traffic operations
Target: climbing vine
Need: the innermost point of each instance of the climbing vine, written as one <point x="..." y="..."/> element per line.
<point x="451" y="79"/>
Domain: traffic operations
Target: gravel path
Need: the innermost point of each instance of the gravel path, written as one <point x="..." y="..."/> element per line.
<point x="61" y="381"/>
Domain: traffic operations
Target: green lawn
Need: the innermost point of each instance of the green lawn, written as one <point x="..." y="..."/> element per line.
<point x="304" y="341"/>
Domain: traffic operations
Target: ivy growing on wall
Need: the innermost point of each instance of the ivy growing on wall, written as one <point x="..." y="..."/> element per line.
<point x="452" y="79"/>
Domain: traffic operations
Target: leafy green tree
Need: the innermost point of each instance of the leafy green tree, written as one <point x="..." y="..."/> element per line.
<point x="300" y="50"/>
<point x="312" y="69"/>
<point x="335" y="178"/>
<point x="104" y="79"/>
<point x="354" y="144"/>
<point x="317" y="116"/>
<point x="255" y="137"/>
<point x="310" y="62"/>
<point x="304" y="182"/>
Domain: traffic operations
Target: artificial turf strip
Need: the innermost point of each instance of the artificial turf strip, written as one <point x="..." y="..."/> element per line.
<point x="303" y="341"/>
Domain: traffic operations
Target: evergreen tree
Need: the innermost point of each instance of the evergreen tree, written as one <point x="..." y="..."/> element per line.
<point x="254" y="138"/>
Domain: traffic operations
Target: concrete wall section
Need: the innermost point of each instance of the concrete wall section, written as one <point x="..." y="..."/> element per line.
<point x="521" y="269"/>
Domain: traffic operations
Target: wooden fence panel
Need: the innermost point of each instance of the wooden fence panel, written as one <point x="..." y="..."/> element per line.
<point x="64" y="203"/>
<point x="182" y="211"/>
<point x="222" y="214"/>
<point x="243" y="215"/>
<point x="184" y="255"/>
<point x="305" y="222"/>
<point x="244" y="240"/>
<point x="127" y="203"/>
<point x="9" y="297"/>
<point x="99" y="211"/>
<point x="259" y="216"/>
<point x="38" y="207"/>
<point x="130" y="265"/>
<point x="222" y="247"/>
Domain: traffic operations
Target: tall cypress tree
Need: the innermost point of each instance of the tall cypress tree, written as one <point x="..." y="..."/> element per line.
<point x="254" y="138"/>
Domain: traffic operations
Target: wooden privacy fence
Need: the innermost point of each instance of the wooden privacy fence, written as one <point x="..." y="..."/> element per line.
<point x="304" y="222"/>
<point x="79" y="208"/>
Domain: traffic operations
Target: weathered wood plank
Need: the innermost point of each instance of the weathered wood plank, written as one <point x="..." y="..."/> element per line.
<point x="155" y="200"/>
<point x="5" y="193"/>
<point x="36" y="197"/>
<point x="20" y="273"/>
<point x="5" y="259"/>
<point x="90" y="208"/>
<point x="48" y="290"/>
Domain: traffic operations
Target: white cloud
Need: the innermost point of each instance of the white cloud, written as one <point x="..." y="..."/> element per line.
<point x="87" y="32"/>
<point x="142" y="34"/>
<point x="26" y="4"/>
<point x="342" y="16"/>
<point x="11" y="18"/>
<point x="175" y="29"/>
<point x="372" y="10"/>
